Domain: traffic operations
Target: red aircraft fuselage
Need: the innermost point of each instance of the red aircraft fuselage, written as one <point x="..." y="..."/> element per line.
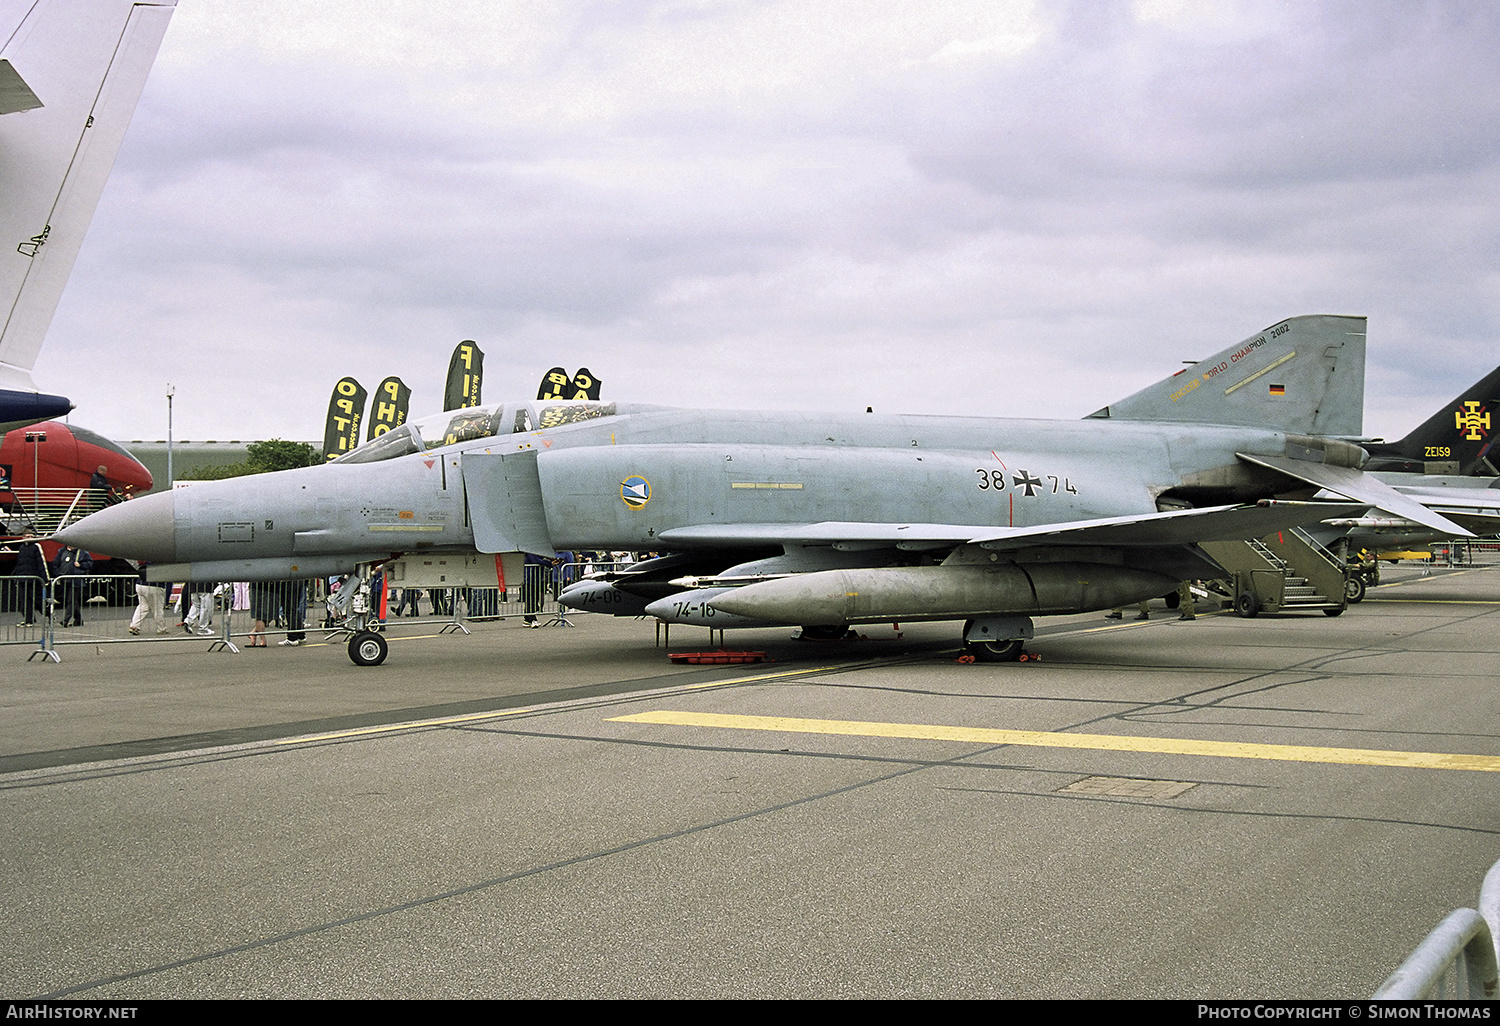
<point x="67" y="458"/>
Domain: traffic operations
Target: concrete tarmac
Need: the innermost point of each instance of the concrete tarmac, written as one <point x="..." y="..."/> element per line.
<point x="1194" y="811"/>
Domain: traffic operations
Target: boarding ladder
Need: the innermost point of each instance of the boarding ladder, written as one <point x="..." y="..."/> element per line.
<point x="1288" y="571"/>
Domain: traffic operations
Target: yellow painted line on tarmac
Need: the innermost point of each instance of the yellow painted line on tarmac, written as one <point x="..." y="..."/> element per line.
<point x="448" y="721"/>
<point x="445" y="721"/>
<point x="1434" y="602"/>
<point x="1451" y="572"/>
<point x="761" y="676"/>
<point x="1052" y="739"/>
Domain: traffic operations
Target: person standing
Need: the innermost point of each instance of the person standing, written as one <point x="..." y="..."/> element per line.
<point x="264" y="599"/>
<point x="200" y="617"/>
<point x="151" y="601"/>
<point x="72" y="564"/>
<point x="534" y="587"/>
<point x="1119" y="611"/>
<point x="294" y="608"/>
<point x="1185" y="601"/>
<point x="31" y="574"/>
<point x="410" y="597"/>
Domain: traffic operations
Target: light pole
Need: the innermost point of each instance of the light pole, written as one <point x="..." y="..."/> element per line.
<point x="35" y="438"/>
<point x="171" y="391"/>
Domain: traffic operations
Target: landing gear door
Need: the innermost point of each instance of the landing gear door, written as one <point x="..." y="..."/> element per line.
<point x="504" y="494"/>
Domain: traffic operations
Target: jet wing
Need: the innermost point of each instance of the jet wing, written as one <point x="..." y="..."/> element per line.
<point x="838" y="533"/>
<point x="1361" y="487"/>
<point x="1176" y="527"/>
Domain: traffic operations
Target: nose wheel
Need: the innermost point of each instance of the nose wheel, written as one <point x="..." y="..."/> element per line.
<point x="995" y="651"/>
<point x="367" y="648"/>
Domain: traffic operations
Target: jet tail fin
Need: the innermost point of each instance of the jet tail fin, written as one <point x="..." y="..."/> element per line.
<point x="1305" y="375"/>
<point x="71" y="72"/>
<point x="1455" y="440"/>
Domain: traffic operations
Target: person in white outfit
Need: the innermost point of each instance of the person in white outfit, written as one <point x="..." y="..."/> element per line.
<point x="200" y="618"/>
<point x="151" y="602"/>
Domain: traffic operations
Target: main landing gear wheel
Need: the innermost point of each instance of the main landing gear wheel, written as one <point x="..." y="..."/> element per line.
<point x="1247" y="605"/>
<point x="825" y="633"/>
<point x="995" y="651"/>
<point x="367" y="649"/>
<point x="1354" y="589"/>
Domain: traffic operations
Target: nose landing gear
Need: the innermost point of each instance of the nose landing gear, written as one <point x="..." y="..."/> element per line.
<point x="367" y="648"/>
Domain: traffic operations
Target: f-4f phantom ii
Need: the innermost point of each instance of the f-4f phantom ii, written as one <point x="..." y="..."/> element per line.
<point x="819" y="520"/>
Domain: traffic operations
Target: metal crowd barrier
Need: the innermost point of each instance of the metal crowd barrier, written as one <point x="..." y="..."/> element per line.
<point x="106" y="605"/>
<point x="22" y="599"/>
<point x="1458" y="960"/>
<point x="95" y="609"/>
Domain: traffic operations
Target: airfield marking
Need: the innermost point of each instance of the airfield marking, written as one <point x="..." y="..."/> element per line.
<point x="1052" y="739"/>
<point x="761" y="676"/>
<point x="1436" y="602"/>
<point x="447" y="721"/>
<point x="414" y="725"/>
<point x="1426" y="577"/>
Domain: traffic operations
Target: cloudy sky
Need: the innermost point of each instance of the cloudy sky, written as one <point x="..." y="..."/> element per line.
<point x="1008" y="208"/>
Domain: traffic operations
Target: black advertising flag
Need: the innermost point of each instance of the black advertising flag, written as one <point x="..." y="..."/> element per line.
<point x="346" y="408"/>
<point x="585" y="385"/>
<point x="392" y="398"/>
<point x="555" y="385"/>
<point x="465" y="376"/>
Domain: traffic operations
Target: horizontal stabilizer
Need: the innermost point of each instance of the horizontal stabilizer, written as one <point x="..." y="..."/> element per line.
<point x="1362" y="487"/>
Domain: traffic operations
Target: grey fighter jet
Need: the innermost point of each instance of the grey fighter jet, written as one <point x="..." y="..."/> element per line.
<point x="819" y="520"/>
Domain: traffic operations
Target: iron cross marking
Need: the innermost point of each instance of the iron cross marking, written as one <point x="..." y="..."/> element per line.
<point x="1026" y="481"/>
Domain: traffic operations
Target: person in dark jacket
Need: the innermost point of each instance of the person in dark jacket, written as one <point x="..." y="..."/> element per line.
<point x="30" y="575"/>
<point x="71" y="566"/>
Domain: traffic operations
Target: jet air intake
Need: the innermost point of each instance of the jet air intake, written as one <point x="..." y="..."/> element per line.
<point x="837" y="597"/>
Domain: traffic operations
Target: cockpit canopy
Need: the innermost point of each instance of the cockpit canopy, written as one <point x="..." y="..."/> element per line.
<point x="474" y="422"/>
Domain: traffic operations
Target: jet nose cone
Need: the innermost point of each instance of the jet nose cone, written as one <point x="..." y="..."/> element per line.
<point x="141" y="529"/>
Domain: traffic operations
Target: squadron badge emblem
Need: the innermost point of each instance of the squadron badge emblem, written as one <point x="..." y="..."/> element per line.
<point x="635" y="492"/>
